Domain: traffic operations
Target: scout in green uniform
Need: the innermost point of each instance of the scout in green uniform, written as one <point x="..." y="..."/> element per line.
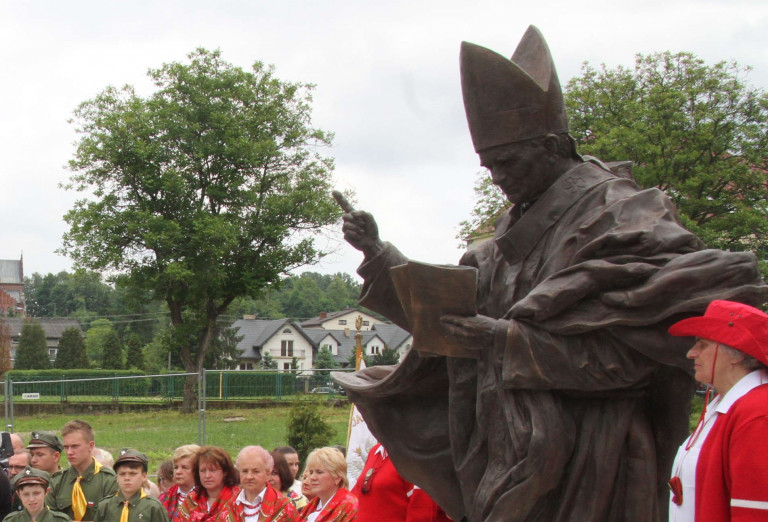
<point x="78" y="490"/>
<point x="31" y="486"/>
<point x="131" y="503"/>
<point x="45" y="448"/>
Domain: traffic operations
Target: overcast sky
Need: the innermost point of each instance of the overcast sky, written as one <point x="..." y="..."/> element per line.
<point x="387" y="85"/>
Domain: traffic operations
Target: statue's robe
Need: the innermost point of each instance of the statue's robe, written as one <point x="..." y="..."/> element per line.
<point x="575" y="412"/>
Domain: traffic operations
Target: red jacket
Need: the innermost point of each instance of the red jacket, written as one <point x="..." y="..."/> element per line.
<point x="390" y="497"/>
<point x="732" y="470"/>
<point x="341" y="508"/>
<point x="274" y="508"/>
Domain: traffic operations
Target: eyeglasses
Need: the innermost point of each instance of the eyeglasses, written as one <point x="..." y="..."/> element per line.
<point x="16" y="468"/>
<point x="366" y="487"/>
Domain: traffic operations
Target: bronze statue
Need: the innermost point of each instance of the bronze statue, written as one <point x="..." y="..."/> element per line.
<point x="576" y="398"/>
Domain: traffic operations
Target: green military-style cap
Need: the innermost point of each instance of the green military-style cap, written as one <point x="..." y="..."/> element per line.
<point x="30" y="475"/>
<point x="131" y="455"/>
<point x="45" y="439"/>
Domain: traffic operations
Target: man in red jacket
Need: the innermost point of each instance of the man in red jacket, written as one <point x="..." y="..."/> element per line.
<point x="383" y="494"/>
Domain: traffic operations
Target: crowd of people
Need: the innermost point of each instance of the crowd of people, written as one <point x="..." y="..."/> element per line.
<point x="199" y="483"/>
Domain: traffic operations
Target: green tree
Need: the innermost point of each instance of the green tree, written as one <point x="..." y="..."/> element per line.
<point x="5" y="347"/>
<point x="325" y="361"/>
<point x="223" y="353"/>
<point x="307" y="429"/>
<point x="96" y="338"/>
<point x="696" y="131"/>
<point x="134" y="355"/>
<point x="32" y="351"/>
<point x="210" y="188"/>
<point x="268" y="362"/>
<point x="387" y="356"/>
<point x="112" y="354"/>
<point x="71" y="353"/>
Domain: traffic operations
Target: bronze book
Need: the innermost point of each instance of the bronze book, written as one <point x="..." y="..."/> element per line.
<point x="426" y="293"/>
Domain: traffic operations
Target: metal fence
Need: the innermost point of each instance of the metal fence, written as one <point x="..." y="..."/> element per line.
<point x="167" y="390"/>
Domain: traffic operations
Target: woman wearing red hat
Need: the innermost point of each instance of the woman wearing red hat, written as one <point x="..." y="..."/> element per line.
<point x="720" y="472"/>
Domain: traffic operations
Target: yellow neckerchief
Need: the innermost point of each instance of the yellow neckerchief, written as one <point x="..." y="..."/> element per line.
<point x="126" y="506"/>
<point x="79" y="503"/>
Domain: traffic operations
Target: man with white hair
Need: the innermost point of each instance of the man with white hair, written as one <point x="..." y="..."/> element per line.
<point x="257" y="501"/>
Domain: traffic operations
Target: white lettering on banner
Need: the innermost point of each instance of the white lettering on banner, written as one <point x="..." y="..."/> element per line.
<point x="35" y="395"/>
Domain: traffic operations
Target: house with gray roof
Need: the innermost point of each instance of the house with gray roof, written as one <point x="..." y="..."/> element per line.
<point x="282" y="339"/>
<point x="52" y="326"/>
<point x="341" y="320"/>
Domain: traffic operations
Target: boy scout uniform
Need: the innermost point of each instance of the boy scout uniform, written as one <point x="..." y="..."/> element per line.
<point x="42" y="478"/>
<point x="45" y="439"/>
<point x="141" y="508"/>
<point x="97" y="483"/>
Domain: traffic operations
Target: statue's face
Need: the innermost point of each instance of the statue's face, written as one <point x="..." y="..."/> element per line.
<point x="523" y="171"/>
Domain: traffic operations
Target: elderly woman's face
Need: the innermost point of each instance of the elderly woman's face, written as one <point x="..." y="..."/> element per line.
<point x="703" y="355"/>
<point x="321" y="483"/>
<point x="183" y="473"/>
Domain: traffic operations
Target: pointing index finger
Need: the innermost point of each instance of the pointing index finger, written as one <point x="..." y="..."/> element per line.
<point x="342" y="201"/>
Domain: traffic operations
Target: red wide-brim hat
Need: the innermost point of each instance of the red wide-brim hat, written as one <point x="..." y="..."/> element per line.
<point x="737" y="325"/>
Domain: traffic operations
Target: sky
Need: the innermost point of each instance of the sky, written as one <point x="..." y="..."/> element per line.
<point x="387" y="85"/>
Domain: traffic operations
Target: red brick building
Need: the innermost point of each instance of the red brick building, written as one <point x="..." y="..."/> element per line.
<point x="12" y="288"/>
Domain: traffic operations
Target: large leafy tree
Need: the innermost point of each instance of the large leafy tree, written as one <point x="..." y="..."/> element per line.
<point x="696" y="131"/>
<point x="71" y="353"/>
<point x="208" y="189"/>
<point x="32" y="351"/>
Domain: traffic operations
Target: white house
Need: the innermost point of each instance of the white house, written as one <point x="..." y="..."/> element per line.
<point x="342" y="320"/>
<point x="282" y="339"/>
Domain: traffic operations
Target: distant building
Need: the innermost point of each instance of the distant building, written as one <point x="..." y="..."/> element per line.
<point x="284" y="339"/>
<point x="12" y="301"/>
<point x="341" y="320"/>
<point x="52" y="326"/>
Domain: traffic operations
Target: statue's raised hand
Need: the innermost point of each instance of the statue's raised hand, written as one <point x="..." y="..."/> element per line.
<point x="360" y="229"/>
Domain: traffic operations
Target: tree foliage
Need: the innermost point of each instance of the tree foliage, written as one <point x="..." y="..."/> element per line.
<point x="307" y="429"/>
<point x="134" y="355"/>
<point x="693" y="130"/>
<point x="386" y="357"/>
<point x="112" y="352"/>
<point x="32" y="351"/>
<point x="71" y="353"/>
<point x="210" y="188"/>
<point x="696" y="131"/>
<point x="325" y="361"/>
<point x="268" y="362"/>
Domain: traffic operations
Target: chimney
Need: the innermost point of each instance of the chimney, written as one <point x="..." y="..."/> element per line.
<point x="248" y="316"/>
<point x="323" y="315"/>
<point x="346" y="332"/>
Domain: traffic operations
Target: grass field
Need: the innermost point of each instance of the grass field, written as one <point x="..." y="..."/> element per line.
<point x="158" y="433"/>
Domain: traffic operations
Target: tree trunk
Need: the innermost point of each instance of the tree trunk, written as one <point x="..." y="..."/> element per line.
<point x="189" y="404"/>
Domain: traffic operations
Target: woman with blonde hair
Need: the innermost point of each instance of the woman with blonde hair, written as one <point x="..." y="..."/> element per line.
<point x="327" y="477"/>
<point x="183" y="478"/>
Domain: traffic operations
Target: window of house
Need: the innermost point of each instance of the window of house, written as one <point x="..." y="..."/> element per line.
<point x="287" y="330"/>
<point x="286" y="366"/>
<point x="52" y="353"/>
<point x="342" y="321"/>
<point x="286" y="348"/>
<point x="366" y="323"/>
<point x="246" y="366"/>
<point x="374" y="350"/>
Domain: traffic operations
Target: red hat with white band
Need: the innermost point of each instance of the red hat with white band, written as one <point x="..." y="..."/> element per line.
<point x="737" y="325"/>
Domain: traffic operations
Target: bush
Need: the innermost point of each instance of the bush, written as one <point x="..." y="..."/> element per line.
<point x="307" y="429"/>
